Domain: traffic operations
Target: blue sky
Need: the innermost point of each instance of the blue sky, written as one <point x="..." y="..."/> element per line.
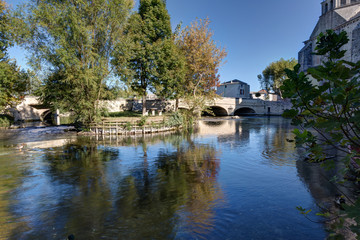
<point x="254" y="33"/>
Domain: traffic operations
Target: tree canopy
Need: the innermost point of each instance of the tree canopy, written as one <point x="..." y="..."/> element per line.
<point x="203" y="57"/>
<point x="14" y="82"/>
<point x="148" y="59"/>
<point x="71" y="43"/>
<point x="203" y="60"/>
<point x="274" y="74"/>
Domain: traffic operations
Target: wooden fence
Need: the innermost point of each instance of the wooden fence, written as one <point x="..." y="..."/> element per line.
<point x="120" y="127"/>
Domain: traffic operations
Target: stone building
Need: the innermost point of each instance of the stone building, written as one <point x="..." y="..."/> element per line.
<point x="234" y="89"/>
<point x="338" y="15"/>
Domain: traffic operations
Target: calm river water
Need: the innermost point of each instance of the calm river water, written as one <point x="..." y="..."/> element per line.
<point x="231" y="179"/>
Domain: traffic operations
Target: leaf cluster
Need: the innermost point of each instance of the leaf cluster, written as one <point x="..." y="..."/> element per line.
<point x="71" y="44"/>
<point x="274" y="74"/>
<point x="326" y="106"/>
<point x="203" y="57"/>
<point x="14" y="82"/>
<point x="327" y="98"/>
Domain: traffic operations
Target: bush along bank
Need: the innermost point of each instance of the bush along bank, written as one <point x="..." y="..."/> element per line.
<point x="144" y="125"/>
<point x="6" y="120"/>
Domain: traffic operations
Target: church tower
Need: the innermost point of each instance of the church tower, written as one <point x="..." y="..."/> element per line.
<point x="338" y="15"/>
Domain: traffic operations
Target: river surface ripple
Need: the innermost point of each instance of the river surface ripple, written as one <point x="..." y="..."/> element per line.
<point x="230" y="179"/>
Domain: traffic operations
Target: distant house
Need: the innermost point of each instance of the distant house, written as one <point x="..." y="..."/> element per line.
<point x="234" y="89"/>
<point x="264" y="95"/>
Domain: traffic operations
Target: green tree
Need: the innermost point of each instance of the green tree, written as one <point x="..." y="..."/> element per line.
<point x="328" y="112"/>
<point x="13" y="82"/>
<point x="173" y="69"/>
<point x="72" y="42"/>
<point x="144" y="61"/>
<point x="274" y="74"/>
<point x="203" y="60"/>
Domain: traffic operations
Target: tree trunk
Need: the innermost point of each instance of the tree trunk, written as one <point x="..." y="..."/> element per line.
<point x="144" y="104"/>
<point x="176" y="104"/>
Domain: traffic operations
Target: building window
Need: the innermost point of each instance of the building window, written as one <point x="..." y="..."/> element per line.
<point x="343" y="2"/>
<point x="331" y="4"/>
<point x="225" y="86"/>
<point x="326" y="7"/>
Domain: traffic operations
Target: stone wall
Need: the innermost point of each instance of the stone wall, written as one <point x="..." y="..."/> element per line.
<point x="342" y="18"/>
<point x="27" y="111"/>
<point x="355" y="48"/>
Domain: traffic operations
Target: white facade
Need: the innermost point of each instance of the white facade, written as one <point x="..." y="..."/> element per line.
<point x="234" y="89"/>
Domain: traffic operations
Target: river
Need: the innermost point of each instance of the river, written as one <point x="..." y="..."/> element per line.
<point x="230" y="179"/>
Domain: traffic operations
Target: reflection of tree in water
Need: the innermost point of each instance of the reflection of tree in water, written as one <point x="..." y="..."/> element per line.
<point x="277" y="149"/>
<point x="148" y="200"/>
<point x="155" y="199"/>
<point x="74" y="194"/>
<point x="196" y="167"/>
<point x="9" y="175"/>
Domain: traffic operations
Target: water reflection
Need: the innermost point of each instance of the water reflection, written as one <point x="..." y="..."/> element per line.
<point x="81" y="189"/>
<point x="217" y="183"/>
<point x="270" y="133"/>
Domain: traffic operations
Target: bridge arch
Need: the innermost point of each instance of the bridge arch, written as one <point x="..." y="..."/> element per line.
<point x="244" y="111"/>
<point x="46" y="116"/>
<point x="218" y="111"/>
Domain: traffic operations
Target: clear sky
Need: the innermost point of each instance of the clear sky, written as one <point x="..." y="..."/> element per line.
<point x="254" y="33"/>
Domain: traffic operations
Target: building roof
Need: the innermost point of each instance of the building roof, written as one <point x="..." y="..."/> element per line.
<point x="263" y="91"/>
<point x="233" y="82"/>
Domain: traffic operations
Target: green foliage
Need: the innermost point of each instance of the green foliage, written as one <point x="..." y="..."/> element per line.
<point x="175" y="120"/>
<point x="173" y="71"/>
<point x="183" y="118"/>
<point x="6" y="120"/>
<point x="142" y="121"/>
<point x="303" y="211"/>
<point x="128" y="126"/>
<point x="124" y="114"/>
<point x="67" y="120"/>
<point x="145" y="59"/>
<point x="71" y="42"/>
<point x="274" y="74"/>
<point x="13" y="82"/>
<point x="328" y="104"/>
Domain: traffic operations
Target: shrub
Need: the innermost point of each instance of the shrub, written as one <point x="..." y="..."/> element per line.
<point x="142" y="121"/>
<point x="6" y="120"/>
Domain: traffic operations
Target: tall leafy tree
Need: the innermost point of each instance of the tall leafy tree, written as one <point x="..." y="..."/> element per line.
<point x="143" y="62"/>
<point x="173" y="70"/>
<point x="203" y="60"/>
<point x="13" y="82"/>
<point x="72" y="42"/>
<point x="274" y="74"/>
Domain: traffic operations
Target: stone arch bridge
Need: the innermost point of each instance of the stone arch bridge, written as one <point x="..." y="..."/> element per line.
<point x="239" y="106"/>
<point x="31" y="109"/>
